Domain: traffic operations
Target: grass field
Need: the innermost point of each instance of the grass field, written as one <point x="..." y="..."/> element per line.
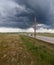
<point x="47" y="34"/>
<point x="21" y="50"/>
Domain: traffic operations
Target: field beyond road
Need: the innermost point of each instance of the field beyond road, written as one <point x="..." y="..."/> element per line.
<point x="22" y="50"/>
<point x="46" y="34"/>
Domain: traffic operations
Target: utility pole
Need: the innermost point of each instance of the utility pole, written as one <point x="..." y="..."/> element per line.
<point x="35" y="27"/>
<point x="35" y="31"/>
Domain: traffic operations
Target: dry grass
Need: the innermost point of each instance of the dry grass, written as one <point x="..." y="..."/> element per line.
<point x="21" y="50"/>
<point x="13" y="51"/>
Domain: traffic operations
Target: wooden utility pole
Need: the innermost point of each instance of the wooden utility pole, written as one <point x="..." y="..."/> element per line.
<point x="35" y="27"/>
<point x="35" y="30"/>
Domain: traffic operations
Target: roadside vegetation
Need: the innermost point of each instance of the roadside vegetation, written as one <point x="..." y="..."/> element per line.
<point x="17" y="49"/>
<point x="42" y="53"/>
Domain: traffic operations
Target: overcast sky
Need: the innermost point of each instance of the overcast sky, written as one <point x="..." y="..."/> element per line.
<point x="19" y="14"/>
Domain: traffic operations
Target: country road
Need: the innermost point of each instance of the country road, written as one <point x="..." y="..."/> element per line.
<point x="45" y="38"/>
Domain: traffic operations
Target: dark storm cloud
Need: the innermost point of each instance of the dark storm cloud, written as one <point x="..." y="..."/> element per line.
<point x="20" y="13"/>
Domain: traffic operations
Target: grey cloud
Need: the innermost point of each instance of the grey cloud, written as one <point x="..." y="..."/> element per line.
<point x="20" y="13"/>
<point x="44" y="11"/>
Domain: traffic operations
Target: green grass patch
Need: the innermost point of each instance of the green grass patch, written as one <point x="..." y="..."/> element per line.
<point x="41" y="52"/>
